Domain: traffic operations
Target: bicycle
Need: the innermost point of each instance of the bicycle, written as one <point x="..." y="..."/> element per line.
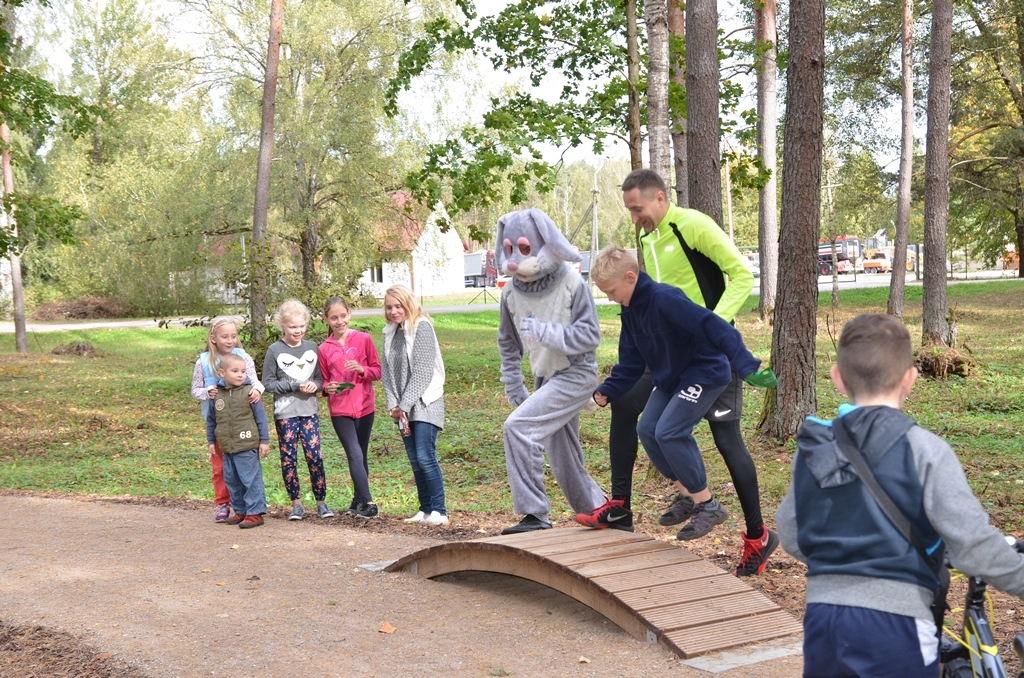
<point x="974" y="653"/>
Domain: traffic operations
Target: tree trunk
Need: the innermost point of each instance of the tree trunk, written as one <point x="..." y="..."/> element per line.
<point x="766" y="36"/>
<point x="17" y="291"/>
<point x="901" y="238"/>
<point x="935" y="325"/>
<point x="795" y="330"/>
<point x="258" y="299"/>
<point x="1018" y="229"/>
<point x="656" y="18"/>
<point x="677" y="87"/>
<point x="702" y="129"/>
<point x="633" y="75"/>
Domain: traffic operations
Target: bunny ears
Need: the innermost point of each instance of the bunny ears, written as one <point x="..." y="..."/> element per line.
<point x="534" y="223"/>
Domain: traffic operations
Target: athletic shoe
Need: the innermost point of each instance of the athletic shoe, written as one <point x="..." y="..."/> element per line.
<point x="251" y="521"/>
<point x="609" y="514"/>
<point x="323" y="511"/>
<point x="679" y="512"/>
<point x="529" y="523"/>
<point x="298" y="513"/>
<point x="235" y="519"/>
<point x="351" y="511"/>
<point x="365" y="510"/>
<point x="755" y="553"/>
<point x="436" y="518"/>
<point x="223" y="511"/>
<point x="705" y="516"/>
<point x="418" y="518"/>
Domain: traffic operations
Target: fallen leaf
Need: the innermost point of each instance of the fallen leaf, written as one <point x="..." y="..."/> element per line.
<point x="222" y="583"/>
<point x="386" y="627"/>
<point x="584" y="660"/>
<point x="235" y="546"/>
<point x="351" y="543"/>
<point x="209" y="569"/>
<point x="103" y="655"/>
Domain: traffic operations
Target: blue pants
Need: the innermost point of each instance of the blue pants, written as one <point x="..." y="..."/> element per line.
<point x="855" y="642"/>
<point x="243" y="475"/>
<point x="666" y="431"/>
<point x="421" y="447"/>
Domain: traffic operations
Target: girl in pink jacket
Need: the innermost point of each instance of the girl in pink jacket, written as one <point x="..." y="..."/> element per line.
<point x="349" y="363"/>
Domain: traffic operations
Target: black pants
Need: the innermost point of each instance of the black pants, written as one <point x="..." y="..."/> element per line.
<point x="623" y="445"/>
<point x="354" y="435"/>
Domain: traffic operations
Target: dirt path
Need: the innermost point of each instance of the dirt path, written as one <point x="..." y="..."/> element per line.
<point x="172" y="594"/>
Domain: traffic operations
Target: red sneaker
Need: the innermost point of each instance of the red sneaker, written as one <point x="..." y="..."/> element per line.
<point x="235" y="519"/>
<point x="755" y="553"/>
<point x="613" y="513"/>
<point x="254" y="520"/>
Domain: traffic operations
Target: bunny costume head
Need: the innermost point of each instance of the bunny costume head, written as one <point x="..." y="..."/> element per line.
<point x="530" y="246"/>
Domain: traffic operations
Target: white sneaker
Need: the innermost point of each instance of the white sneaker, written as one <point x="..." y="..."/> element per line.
<point x="435" y="518"/>
<point x="418" y="518"/>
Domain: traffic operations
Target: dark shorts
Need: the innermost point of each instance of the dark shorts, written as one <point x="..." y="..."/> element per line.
<point x="729" y="405"/>
<point x="855" y="642"/>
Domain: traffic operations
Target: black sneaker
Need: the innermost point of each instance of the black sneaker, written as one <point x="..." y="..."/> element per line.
<point x="705" y="516"/>
<point x="351" y="510"/>
<point x="679" y="512"/>
<point x="612" y="514"/>
<point x="529" y="523"/>
<point x="365" y="510"/>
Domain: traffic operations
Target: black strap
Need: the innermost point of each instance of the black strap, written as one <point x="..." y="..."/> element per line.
<point x="888" y="506"/>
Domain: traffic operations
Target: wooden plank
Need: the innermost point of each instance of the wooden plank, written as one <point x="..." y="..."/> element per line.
<point x="557" y="535"/>
<point x="594" y="554"/>
<point x="577" y="544"/>
<point x="682" y="591"/>
<point x="697" y="613"/>
<point x="723" y="635"/>
<point x="639" y="562"/>
<point x="644" y="577"/>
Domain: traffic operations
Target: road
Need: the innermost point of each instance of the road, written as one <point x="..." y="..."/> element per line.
<point x="824" y="285"/>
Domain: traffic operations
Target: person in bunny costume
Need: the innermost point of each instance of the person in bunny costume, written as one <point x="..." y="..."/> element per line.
<point x="547" y="312"/>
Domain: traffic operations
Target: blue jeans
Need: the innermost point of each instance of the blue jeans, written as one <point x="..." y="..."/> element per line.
<point x="243" y="475"/>
<point x="422" y="451"/>
<point x="666" y="430"/>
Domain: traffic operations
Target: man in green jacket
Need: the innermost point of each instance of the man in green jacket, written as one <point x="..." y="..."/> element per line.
<point x="687" y="249"/>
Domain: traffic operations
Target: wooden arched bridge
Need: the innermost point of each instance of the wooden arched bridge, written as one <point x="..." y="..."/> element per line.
<point x="655" y="591"/>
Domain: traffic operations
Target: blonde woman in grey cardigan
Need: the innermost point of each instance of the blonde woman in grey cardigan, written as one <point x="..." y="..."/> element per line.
<point x="413" y="376"/>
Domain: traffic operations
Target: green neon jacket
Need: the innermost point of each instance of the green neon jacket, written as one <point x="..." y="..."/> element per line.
<point x="690" y="251"/>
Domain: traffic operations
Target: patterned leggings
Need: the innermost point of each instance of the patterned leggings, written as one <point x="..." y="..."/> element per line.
<point x="289" y="433"/>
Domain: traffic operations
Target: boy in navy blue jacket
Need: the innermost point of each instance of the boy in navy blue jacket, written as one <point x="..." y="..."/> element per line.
<point x="692" y="354"/>
<point x="868" y="588"/>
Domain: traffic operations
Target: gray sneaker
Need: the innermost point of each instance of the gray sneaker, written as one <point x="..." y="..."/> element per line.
<point x="681" y="509"/>
<point x="704" y="519"/>
<point x="323" y="511"/>
<point x="298" y="513"/>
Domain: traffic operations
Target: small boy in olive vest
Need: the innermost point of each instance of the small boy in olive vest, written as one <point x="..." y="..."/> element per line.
<point x="241" y="431"/>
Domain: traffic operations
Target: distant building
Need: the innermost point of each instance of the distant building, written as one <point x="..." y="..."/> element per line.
<point x="415" y="252"/>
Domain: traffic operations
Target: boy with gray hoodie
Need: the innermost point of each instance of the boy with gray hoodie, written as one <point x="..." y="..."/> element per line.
<point x="868" y="588"/>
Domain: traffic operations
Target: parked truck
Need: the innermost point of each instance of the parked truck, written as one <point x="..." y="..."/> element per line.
<point x="480" y="269"/>
<point x="848" y="255"/>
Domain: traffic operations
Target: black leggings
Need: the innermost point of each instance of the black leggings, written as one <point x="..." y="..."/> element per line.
<point x="354" y="435"/>
<point x="623" y="447"/>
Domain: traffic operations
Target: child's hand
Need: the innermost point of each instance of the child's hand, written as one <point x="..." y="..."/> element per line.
<point x="331" y="387"/>
<point x="354" y="366"/>
<point x="600" y="398"/>
<point x="308" y="387"/>
<point x="264" y="450"/>
<point x="254" y="396"/>
<point x="212" y="392"/>
<point x="213" y="452"/>
<point x="763" y="378"/>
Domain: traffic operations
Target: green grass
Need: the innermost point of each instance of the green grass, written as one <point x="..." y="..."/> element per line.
<point x="124" y="423"/>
